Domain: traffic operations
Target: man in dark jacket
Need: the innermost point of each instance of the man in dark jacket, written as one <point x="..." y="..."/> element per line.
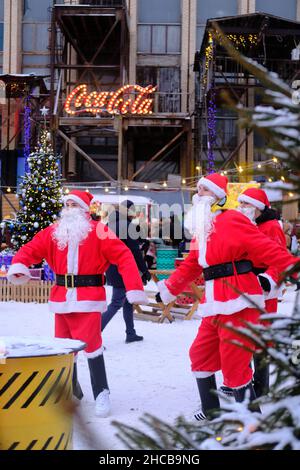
<point x="121" y="223"/>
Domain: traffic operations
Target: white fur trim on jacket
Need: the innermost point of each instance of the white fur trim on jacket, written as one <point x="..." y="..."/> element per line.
<point x="18" y="268"/>
<point x="77" y="199"/>
<point x="250" y="200"/>
<point x="92" y="355"/>
<point x="229" y="307"/>
<point x="165" y="294"/>
<point x="137" y="297"/>
<point x="275" y="290"/>
<point x="240" y="386"/>
<point x="84" y="306"/>
<point x="208" y="184"/>
<point x="199" y="374"/>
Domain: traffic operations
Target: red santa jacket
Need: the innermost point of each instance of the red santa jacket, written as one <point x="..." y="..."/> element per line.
<point x="92" y="256"/>
<point x="273" y="230"/>
<point x="233" y="238"/>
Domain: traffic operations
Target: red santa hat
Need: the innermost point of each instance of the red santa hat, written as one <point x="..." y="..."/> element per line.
<point x="83" y="198"/>
<point x="216" y="183"/>
<point x="256" y="197"/>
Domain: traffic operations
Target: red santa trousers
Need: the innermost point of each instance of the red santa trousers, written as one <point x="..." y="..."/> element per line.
<point x="212" y="351"/>
<point x="83" y="326"/>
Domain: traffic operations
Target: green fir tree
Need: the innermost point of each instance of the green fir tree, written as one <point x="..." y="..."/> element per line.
<point x="39" y="194"/>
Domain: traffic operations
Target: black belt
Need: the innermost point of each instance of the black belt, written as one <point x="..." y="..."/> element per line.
<point x="258" y="271"/>
<point x="69" y="281"/>
<point x="226" y="269"/>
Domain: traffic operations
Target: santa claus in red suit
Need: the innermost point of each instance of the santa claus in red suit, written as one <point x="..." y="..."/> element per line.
<point x="254" y="203"/>
<point x="225" y="248"/>
<point x="79" y="250"/>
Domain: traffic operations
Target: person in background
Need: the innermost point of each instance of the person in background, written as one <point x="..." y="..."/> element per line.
<point x="225" y="247"/>
<point x="121" y="223"/>
<point x="287" y="230"/>
<point x="79" y="251"/>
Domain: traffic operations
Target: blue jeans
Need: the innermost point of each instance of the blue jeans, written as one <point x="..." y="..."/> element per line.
<point x="118" y="301"/>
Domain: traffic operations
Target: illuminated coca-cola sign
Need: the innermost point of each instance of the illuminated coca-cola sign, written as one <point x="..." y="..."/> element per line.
<point x="129" y="99"/>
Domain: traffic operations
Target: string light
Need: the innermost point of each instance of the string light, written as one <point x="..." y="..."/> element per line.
<point x="27" y="132"/>
<point x="126" y="188"/>
<point x="183" y="181"/>
<point x="282" y="178"/>
<point x="146" y="186"/>
<point x="106" y="190"/>
<point x="238" y="40"/>
<point x="259" y="165"/>
<point x="165" y="184"/>
<point x="67" y="191"/>
<point x="275" y="160"/>
<point x="211" y="130"/>
<point x="291" y="194"/>
<point x="8" y="190"/>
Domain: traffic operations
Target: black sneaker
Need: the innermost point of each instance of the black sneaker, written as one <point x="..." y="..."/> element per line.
<point x="133" y="338"/>
<point x="226" y="391"/>
<point x="200" y="415"/>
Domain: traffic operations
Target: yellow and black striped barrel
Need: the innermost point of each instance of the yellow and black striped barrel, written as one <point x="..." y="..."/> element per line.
<point x="35" y="398"/>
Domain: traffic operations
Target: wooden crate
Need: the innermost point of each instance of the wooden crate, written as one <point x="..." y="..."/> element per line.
<point x="33" y="291"/>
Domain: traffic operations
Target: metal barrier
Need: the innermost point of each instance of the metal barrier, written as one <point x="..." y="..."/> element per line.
<point x="36" y="393"/>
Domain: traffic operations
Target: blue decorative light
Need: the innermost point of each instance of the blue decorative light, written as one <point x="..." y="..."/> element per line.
<point x="211" y="131"/>
<point x="27" y="131"/>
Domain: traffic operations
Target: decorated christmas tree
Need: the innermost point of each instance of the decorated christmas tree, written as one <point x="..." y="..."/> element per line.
<point x="39" y="193"/>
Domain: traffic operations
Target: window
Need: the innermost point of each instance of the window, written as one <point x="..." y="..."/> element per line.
<point x="167" y="79"/>
<point x="286" y="8"/>
<point x="159" y="28"/>
<point x="158" y="11"/>
<point x="207" y="9"/>
<point x="35" y="35"/>
<point x="37" y="10"/>
<point x="1" y="36"/>
<point x="1" y="23"/>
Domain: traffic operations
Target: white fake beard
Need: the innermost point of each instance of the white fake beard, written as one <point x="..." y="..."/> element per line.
<point x="199" y="220"/>
<point x="248" y="212"/>
<point x="73" y="226"/>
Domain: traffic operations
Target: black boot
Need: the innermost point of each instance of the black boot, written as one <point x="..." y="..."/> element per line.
<point x="133" y="338"/>
<point x="77" y="392"/>
<point x="209" y="400"/>
<point x="98" y="374"/>
<point x="99" y="386"/>
<point x="260" y="377"/>
<point x="240" y="393"/>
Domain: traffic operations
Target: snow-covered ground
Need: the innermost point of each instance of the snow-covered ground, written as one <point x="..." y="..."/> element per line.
<point x="149" y="376"/>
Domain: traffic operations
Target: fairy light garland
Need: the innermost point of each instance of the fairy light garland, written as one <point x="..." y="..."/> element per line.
<point x="240" y="41"/>
<point x="27" y="131"/>
<point x="211" y="131"/>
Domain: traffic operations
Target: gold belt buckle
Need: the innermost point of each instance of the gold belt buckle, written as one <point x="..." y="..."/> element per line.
<point x="67" y="276"/>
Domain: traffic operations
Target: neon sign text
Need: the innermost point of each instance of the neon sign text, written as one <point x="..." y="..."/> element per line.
<point x="129" y="99"/>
